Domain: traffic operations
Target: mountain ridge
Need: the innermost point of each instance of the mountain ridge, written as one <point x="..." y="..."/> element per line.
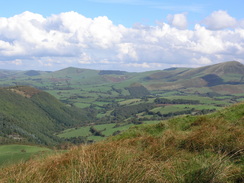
<point x="226" y="63"/>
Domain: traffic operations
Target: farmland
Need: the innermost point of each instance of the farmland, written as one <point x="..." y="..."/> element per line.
<point x="112" y="101"/>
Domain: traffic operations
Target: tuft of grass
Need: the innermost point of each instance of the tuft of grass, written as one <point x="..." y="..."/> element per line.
<point x="214" y="134"/>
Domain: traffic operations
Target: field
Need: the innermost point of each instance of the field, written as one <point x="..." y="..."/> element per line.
<point x="106" y="130"/>
<point x="181" y="107"/>
<point x="15" y="153"/>
<point x="154" y="115"/>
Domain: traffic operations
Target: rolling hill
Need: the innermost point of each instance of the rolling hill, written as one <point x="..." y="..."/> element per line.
<point x="219" y="74"/>
<point x="106" y="95"/>
<point x="231" y="72"/>
<point x="33" y="116"/>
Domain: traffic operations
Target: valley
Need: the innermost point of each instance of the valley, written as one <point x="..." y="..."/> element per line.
<point x="121" y="91"/>
<point x="74" y="106"/>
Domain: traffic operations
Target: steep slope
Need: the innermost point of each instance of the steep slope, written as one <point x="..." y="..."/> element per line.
<point x="187" y="149"/>
<point x="31" y="115"/>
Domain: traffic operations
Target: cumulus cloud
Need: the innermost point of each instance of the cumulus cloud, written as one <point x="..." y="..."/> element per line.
<point x="178" y="20"/>
<point x="219" y="20"/>
<point x="71" y="39"/>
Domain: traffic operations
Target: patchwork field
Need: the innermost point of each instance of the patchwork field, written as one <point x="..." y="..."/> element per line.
<point x="111" y="101"/>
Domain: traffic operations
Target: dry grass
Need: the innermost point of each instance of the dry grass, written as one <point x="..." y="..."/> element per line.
<point x="215" y="134"/>
<point x="209" y="151"/>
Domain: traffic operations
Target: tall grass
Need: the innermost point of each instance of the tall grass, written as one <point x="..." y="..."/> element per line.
<point x="206" y="149"/>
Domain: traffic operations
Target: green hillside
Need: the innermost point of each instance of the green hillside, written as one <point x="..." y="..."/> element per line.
<point x="179" y="78"/>
<point x="31" y="115"/>
<point x="206" y="148"/>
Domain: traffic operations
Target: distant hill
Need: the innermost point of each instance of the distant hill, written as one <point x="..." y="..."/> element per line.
<point x="32" y="73"/>
<point x="83" y="87"/>
<point x="31" y="115"/>
<point x="232" y="67"/>
<point x="178" y="78"/>
<point x="13" y="74"/>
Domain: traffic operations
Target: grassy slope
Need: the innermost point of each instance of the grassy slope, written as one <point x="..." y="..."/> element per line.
<point x="35" y="118"/>
<point x="186" y="149"/>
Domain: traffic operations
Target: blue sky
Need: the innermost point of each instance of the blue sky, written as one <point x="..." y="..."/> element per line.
<point x="132" y="35"/>
<point x="125" y="12"/>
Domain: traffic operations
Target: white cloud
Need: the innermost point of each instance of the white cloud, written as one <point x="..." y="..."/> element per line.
<point x="85" y="59"/>
<point x="32" y="41"/>
<point x="144" y="65"/>
<point x="127" y="52"/>
<point x="17" y="62"/>
<point x="178" y="20"/>
<point x="201" y="61"/>
<point x="219" y="20"/>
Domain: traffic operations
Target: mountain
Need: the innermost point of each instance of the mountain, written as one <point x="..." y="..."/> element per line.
<point x="31" y="115"/>
<point x="207" y="148"/>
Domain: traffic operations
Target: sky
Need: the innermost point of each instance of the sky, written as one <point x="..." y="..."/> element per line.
<point x="128" y="35"/>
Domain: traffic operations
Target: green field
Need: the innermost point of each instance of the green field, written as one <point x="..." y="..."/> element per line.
<point x="106" y="129"/>
<point x="83" y="131"/>
<point x="130" y="101"/>
<point x="15" y="153"/>
<point x="181" y="107"/>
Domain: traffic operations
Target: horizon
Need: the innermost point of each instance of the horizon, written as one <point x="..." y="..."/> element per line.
<point x="22" y="70"/>
<point x="135" y="35"/>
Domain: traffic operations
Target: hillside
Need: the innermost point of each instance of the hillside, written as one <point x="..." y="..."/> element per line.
<point x="219" y="74"/>
<point x="31" y="115"/>
<point x="207" y="148"/>
<point x="220" y="69"/>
